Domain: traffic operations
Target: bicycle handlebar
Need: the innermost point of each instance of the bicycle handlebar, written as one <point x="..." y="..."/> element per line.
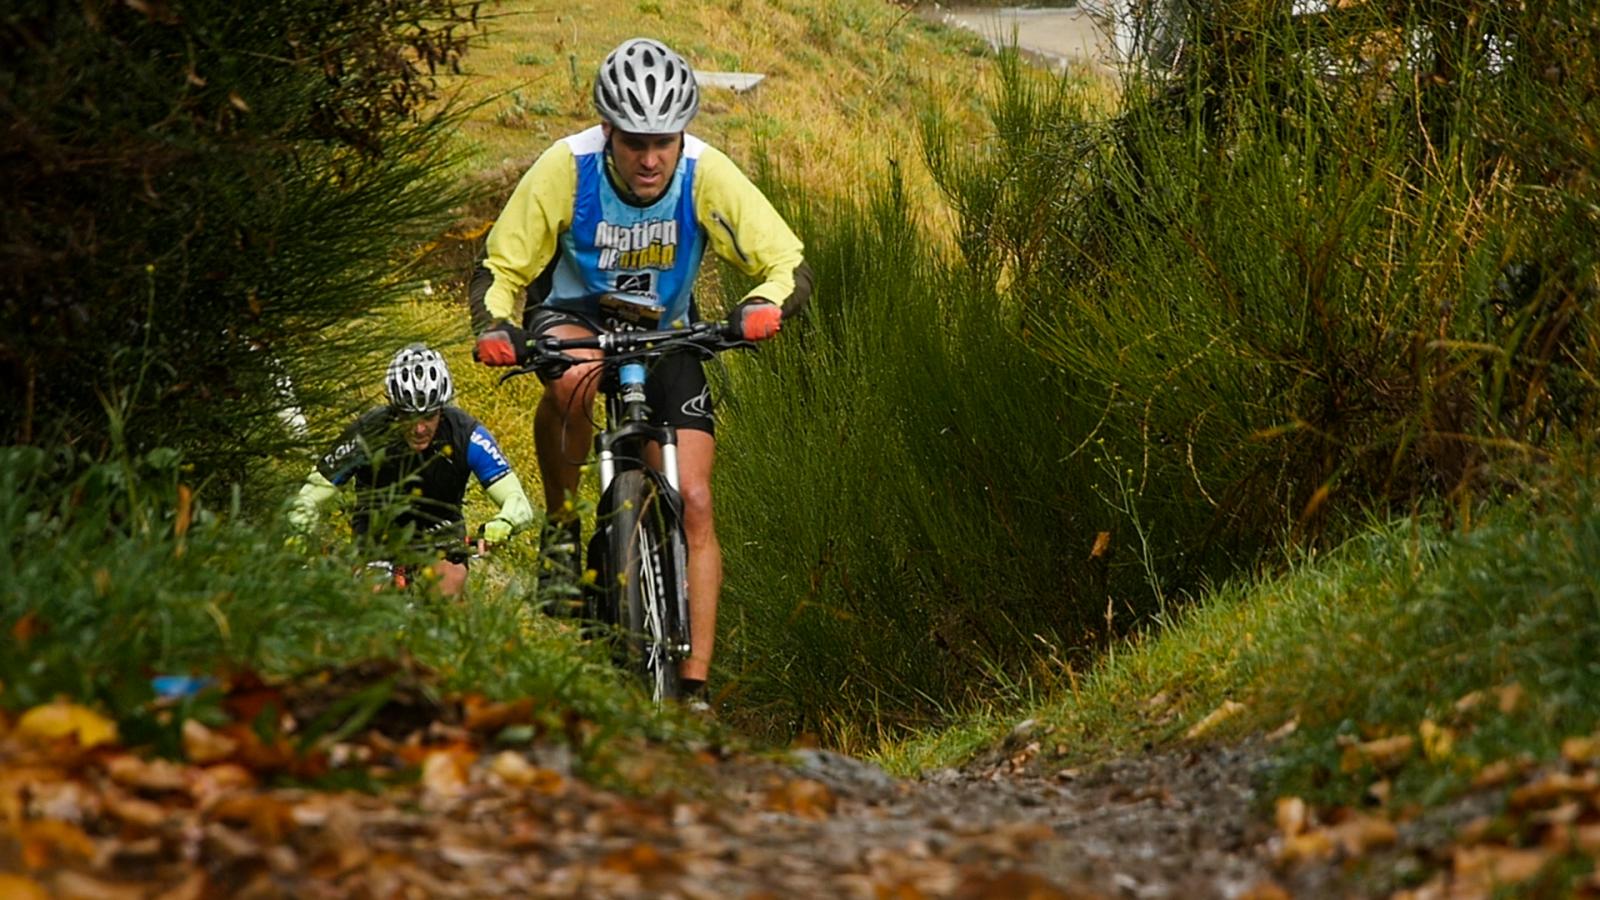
<point x="551" y="352"/>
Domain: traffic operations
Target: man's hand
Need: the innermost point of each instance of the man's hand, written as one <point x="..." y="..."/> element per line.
<point x="758" y="319"/>
<point x="503" y="344"/>
<point x="495" y="531"/>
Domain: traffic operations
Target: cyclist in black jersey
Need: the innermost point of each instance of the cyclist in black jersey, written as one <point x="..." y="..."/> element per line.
<point x="409" y="462"/>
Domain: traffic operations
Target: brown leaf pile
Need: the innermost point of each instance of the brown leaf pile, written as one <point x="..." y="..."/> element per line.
<point x="1550" y="818"/>
<point x="82" y="816"/>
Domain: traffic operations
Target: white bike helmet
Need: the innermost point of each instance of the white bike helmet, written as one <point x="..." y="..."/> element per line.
<point x="645" y="88"/>
<point x="418" y="380"/>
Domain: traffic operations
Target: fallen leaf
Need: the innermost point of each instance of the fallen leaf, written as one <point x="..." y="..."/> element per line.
<point x="1283" y="731"/>
<point x="212" y="783"/>
<point x="202" y="745"/>
<point x="1586" y="838"/>
<point x="1580" y="749"/>
<point x="1102" y="543"/>
<point x="1307" y="847"/>
<point x="1265" y="890"/>
<point x="1552" y="787"/>
<point x="1360" y="833"/>
<point x="268" y="818"/>
<point x="68" y="800"/>
<point x="184" y="511"/>
<point x="1509" y="697"/>
<point x="1494" y="773"/>
<point x="514" y="769"/>
<point x="1216" y="717"/>
<point x="229" y="845"/>
<point x="27" y="628"/>
<point x="154" y="775"/>
<point x="78" y="886"/>
<point x="444" y="771"/>
<point x="43" y="840"/>
<point x="61" y="719"/>
<point x="1469" y="702"/>
<point x="1437" y="741"/>
<point x="1476" y="830"/>
<point x="1012" y="885"/>
<point x="134" y="810"/>
<point x="17" y="887"/>
<point x="1291" y="815"/>
<point x="802" y="797"/>
<point x="1489" y="866"/>
<point x="192" y="887"/>
<point x="1382" y="754"/>
<point x="641" y="859"/>
<point x="481" y="715"/>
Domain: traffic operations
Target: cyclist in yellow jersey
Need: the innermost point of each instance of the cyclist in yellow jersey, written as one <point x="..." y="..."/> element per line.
<point x="606" y="232"/>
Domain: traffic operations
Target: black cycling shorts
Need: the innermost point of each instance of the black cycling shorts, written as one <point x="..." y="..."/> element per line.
<point x="676" y="388"/>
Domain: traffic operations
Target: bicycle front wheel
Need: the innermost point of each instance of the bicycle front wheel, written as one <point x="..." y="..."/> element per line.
<point x="647" y="565"/>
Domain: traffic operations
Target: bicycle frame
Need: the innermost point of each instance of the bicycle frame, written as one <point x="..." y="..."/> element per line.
<point x="643" y="528"/>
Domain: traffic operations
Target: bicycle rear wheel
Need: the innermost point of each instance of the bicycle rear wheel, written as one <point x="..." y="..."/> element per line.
<point x="646" y="562"/>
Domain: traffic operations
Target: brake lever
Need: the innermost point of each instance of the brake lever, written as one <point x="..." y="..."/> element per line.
<point x="513" y="373"/>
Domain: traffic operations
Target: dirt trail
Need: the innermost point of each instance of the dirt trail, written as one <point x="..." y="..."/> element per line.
<point x="830" y="826"/>
<point x="827" y="826"/>
<point x="521" y="823"/>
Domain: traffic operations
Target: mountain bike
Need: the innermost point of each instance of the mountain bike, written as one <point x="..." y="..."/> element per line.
<point x="401" y="570"/>
<point x="638" y="551"/>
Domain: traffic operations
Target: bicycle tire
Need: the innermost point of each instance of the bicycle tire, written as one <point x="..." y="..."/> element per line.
<point x="647" y="580"/>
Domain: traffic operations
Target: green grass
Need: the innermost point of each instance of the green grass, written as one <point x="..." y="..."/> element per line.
<point x="1386" y="632"/>
<point x="109" y="579"/>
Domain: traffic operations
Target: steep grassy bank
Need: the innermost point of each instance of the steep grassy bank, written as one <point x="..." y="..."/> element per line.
<point x="1264" y="302"/>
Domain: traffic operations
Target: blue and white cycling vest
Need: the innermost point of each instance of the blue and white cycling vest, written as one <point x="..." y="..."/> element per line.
<point x="645" y="255"/>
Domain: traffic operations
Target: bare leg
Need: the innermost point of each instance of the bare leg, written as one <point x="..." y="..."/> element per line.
<point x="452" y="579"/>
<point x="697" y="452"/>
<point x="561" y="428"/>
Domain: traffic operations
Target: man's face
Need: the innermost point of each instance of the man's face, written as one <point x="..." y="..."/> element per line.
<point x="419" y="430"/>
<point x="645" y="161"/>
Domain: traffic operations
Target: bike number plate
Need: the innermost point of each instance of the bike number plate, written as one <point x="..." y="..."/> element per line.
<point x="621" y="314"/>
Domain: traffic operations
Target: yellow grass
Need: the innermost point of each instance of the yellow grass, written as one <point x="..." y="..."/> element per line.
<point x="844" y="83"/>
<point x="843" y="78"/>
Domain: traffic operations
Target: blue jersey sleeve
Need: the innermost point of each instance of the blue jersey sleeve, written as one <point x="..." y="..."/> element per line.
<point x="485" y="457"/>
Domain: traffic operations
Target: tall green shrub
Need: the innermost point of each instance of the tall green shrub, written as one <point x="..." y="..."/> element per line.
<point x="1333" y="264"/>
<point x="1336" y="261"/>
<point x="207" y="202"/>
<point x="902" y="510"/>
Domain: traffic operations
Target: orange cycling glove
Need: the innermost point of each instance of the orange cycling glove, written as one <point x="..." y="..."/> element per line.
<point x="503" y="344"/>
<point x="758" y="319"/>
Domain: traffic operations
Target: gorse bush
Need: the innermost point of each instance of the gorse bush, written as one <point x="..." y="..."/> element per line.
<point x="1333" y="266"/>
<point x="1336" y="258"/>
<point x="200" y="194"/>
<point x="899" y="504"/>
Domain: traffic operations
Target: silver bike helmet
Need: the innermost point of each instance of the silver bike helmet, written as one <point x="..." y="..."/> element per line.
<point x="418" y="380"/>
<point x="645" y="88"/>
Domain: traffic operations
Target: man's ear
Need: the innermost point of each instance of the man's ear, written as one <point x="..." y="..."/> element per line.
<point x="605" y="129"/>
